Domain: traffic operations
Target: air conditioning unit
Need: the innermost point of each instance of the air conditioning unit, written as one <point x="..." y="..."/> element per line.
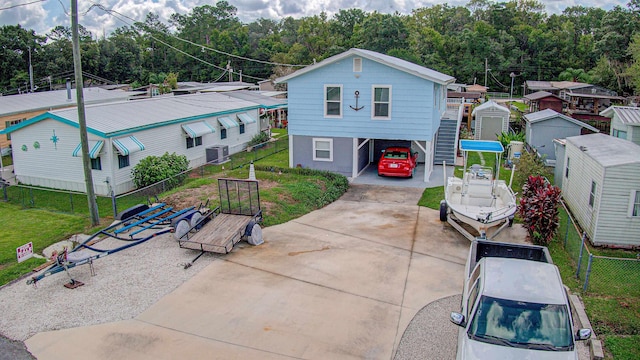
<point x="217" y="154"/>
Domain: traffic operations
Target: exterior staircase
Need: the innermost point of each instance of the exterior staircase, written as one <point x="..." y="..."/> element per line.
<point x="446" y="142"/>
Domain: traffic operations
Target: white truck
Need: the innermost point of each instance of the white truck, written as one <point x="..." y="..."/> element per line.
<point x="514" y="305"/>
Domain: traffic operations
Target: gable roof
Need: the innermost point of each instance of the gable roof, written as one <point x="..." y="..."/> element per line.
<point x="547" y="114"/>
<point x="490" y="105"/>
<point x="607" y="150"/>
<point x="541" y="95"/>
<point x="49" y="100"/>
<point x="627" y="114"/>
<point x="393" y="62"/>
<point x="116" y="119"/>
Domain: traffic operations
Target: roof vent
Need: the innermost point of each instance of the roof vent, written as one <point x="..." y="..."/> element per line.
<point x="583" y="148"/>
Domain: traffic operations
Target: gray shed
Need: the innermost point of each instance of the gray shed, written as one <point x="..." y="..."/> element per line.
<point x="542" y="127"/>
<point x="491" y="119"/>
<point x="601" y="186"/>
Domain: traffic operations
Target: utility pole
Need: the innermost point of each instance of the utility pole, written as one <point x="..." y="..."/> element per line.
<point x="513" y="76"/>
<point x="486" y="71"/>
<point x="30" y="70"/>
<point x="84" y="142"/>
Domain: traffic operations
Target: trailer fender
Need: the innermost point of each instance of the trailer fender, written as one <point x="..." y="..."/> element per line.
<point x="253" y="233"/>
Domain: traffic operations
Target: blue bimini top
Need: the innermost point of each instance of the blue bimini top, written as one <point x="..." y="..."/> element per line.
<point x="481" y="145"/>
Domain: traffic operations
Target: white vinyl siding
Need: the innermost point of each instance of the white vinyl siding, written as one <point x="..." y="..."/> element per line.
<point x="381" y="102"/>
<point x="333" y="101"/>
<point x="322" y="149"/>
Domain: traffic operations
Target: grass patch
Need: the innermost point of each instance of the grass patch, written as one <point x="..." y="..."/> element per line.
<point x="623" y="347"/>
<point x="431" y="197"/>
<point x="41" y="227"/>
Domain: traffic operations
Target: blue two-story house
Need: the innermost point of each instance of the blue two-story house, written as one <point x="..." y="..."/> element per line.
<point x="344" y="110"/>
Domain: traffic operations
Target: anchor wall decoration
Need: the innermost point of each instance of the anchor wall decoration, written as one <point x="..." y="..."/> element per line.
<point x="356" y="108"/>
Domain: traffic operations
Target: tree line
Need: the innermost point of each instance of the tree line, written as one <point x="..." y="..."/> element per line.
<point x="482" y="42"/>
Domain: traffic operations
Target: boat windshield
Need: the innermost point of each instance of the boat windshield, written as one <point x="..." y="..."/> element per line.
<point x="522" y="324"/>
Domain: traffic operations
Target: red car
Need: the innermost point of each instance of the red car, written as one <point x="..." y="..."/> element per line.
<point x="397" y="161"/>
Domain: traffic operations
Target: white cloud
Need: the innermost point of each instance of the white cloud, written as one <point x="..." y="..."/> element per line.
<point x="44" y="16"/>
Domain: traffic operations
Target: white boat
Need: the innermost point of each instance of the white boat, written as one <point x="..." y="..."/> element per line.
<point x="478" y="199"/>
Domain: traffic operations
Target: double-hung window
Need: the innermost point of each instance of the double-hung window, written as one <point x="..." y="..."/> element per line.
<point x="333" y="101"/>
<point x="191" y="142"/>
<point x="96" y="164"/>
<point x="592" y="194"/>
<point x="381" y="106"/>
<point x="634" y="206"/>
<point x="123" y="161"/>
<point x="322" y="149"/>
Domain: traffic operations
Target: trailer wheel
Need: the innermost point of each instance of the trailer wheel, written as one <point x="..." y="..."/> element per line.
<point x="181" y="229"/>
<point x="510" y="221"/>
<point x="443" y="210"/>
<point x="195" y="218"/>
<point x="255" y="237"/>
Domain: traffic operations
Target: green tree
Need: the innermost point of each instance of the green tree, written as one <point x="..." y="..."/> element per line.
<point x="575" y="75"/>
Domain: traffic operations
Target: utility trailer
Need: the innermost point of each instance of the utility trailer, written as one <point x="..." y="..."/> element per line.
<point x="219" y="230"/>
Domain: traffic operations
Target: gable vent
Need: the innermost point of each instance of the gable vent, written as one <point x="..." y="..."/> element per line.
<point x="357" y="64"/>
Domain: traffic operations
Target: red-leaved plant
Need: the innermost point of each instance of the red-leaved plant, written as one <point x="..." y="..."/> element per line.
<point x="539" y="209"/>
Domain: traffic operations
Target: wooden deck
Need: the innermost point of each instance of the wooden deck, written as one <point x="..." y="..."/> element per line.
<point x="218" y="235"/>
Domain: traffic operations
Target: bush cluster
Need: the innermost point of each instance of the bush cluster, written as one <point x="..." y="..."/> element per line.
<point x="153" y="169"/>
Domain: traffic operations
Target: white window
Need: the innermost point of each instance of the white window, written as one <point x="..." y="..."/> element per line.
<point x="381" y="102"/>
<point x="333" y="101"/>
<point x="322" y="149"/>
<point x="357" y="64"/>
<point x="619" y="134"/>
<point x="592" y="194"/>
<point x="634" y="204"/>
<point x="566" y="170"/>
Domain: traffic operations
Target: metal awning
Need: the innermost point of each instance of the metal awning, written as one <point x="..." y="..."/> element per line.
<point x="197" y="129"/>
<point x="127" y="145"/>
<point x="481" y="146"/>
<point x="246" y="119"/>
<point x="227" y="123"/>
<point x="94" y="149"/>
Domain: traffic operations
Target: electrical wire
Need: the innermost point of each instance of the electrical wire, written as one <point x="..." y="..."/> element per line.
<point x="20" y="5"/>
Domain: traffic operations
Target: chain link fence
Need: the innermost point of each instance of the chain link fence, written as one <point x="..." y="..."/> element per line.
<point x="71" y="202"/>
<point x="598" y="274"/>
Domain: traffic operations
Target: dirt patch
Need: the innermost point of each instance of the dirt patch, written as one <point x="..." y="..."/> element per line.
<point x="196" y="196"/>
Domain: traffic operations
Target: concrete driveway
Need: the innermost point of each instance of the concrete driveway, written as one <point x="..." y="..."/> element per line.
<point x="343" y="282"/>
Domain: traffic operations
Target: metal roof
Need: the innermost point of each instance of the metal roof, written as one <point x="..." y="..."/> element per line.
<point x="393" y="62"/>
<point x="548" y="114"/>
<point x="541" y="95"/>
<point x="607" y="150"/>
<point x="627" y="114"/>
<point x="259" y="97"/>
<point x="490" y="105"/>
<point x="530" y="281"/>
<point x="122" y="118"/>
<point x="57" y="99"/>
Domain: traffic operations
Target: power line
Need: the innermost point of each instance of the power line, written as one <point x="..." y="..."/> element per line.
<point x="110" y="11"/>
<point x="19" y="5"/>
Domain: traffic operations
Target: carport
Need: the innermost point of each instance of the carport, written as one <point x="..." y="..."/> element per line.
<point x="368" y="152"/>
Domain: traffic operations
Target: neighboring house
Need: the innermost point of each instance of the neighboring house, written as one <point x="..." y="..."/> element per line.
<point x="344" y="110"/>
<point x="542" y="100"/>
<point x="543" y="126"/>
<point x="476" y="88"/>
<point x="625" y="122"/>
<point x="601" y="187"/>
<point x="47" y="148"/>
<point x="17" y="108"/>
<point x="491" y="120"/>
<point x="584" y="101"/>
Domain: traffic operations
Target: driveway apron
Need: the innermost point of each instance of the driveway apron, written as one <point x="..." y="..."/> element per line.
<point x="342" y="282"/>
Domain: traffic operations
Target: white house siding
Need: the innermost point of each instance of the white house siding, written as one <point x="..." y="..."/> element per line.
<point x="52" y="164"/>
<point x="615" y="226"/>
<point x="576" y="188"/>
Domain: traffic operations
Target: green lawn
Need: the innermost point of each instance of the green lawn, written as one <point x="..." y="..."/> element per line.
<point x="41" y="227"/>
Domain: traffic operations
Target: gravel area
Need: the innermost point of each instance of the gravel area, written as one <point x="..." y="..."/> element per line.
<point x="126" y="284"/>
<point x="430" y="334"/>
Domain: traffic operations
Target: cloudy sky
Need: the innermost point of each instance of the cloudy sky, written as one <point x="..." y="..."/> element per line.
<point x="43" y="15"/>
